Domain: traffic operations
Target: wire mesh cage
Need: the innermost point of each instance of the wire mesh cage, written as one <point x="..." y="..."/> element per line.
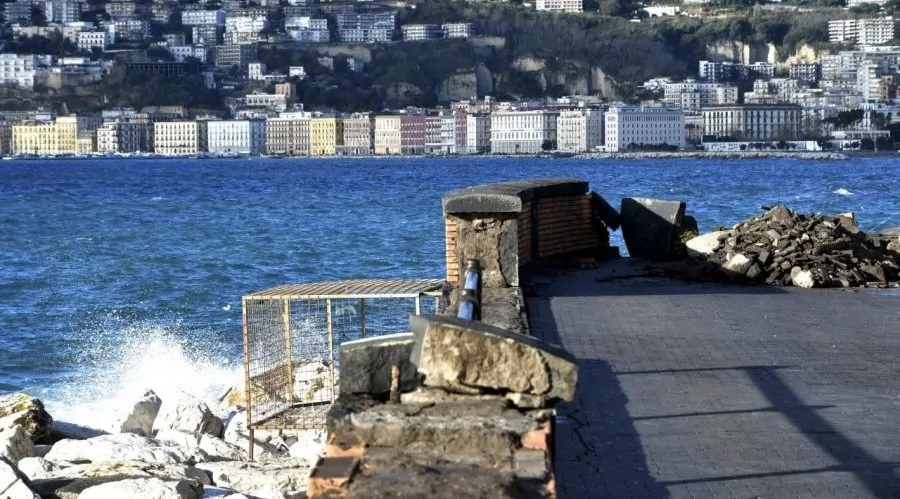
<point x="292" y="335"/>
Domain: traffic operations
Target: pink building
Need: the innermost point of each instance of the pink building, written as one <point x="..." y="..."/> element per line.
<point x="412" y="134"/>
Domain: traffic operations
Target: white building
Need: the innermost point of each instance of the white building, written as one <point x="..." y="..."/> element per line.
<point x="236" y="137"/>
<point x="297" y="72"/>
<point x="420" y="32"/>
<point x="120" y="136"/>
<point x="478" y="133"/>
<point x="20" y="69"/>
<point x="692" y="95"/>
<point x="662" y="10"/>
<point x="243" y="26"/>
<point x="274" y="102"/>
<point x="203" y="17"/>
<point x="307" y="29"/>
<point x="87" y="40"/>
<point x="558" y="5"/>
<point x="629" y="126"/>
<point x="256" y="71"/>
<point x="862" y="31"/>
<point x="753" y="122"/>
<point x="366" y="27"/>
<point x="182" y="52"/>
<point x="457" y="30"/>
<point x="579" y="130"/>
<point x="129" y="29"/>
<point x="523" y="132"/>
<point x="176" y="138"/>
<point x="868" y="81"/>
<point x="63" y="11"/>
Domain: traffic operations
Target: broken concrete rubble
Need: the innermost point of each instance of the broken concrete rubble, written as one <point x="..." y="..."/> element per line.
<point x="786" y="248"/>
<point x="470" y="357"/>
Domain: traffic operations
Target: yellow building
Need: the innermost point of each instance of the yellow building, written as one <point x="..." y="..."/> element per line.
<point x="176" y="138"/>
<point x="35" y="138"/>
<point x="67" y="135"/>
<point x="387" y="134"/>
<point x="325" y="135"/>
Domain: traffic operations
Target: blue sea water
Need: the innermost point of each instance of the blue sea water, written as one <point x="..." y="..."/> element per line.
<point x="120" y="274"/>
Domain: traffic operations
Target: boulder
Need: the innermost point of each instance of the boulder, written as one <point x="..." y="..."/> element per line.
<point x="471" y="357"/>
<point x="140" y="418"/>
<point x="738" y="264"/>
<point x="188" y="413"/>
<point x="68" y="482"/>
<point x="220" y="493"/>
<point x="366" y="364"/>
<point x="309" y="447"/>
<point x="803" y="279"/>
<point x="706" y="244"/>
<point x="37" y="467"/>
<point x="28" y="412"/>
<point x="117" y="447"/>
<point x="13" y="483"/>
<point x="277" y="479"/>
<point x="149" y="488"/>
<point x="15" y="444"/>
<point x="650" y="227"/>
<point x="63" y="430"/>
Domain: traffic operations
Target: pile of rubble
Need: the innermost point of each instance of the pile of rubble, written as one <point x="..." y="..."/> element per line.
<point x="456" y="409"/>
<point x="783" y="247"/>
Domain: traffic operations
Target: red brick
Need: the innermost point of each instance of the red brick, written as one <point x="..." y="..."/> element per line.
<point x="331" y="477"/>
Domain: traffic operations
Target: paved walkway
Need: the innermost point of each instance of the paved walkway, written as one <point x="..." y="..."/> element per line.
<point x="701" y="390"/>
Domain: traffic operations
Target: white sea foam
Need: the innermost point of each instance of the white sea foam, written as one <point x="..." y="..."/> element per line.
<point x="842" y="192"/>
<point x="119" y="361"/>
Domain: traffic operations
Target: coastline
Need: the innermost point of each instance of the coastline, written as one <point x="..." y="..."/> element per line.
<point x="803" y="155"/>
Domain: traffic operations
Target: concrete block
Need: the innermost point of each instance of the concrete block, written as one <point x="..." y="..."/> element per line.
<point x="366" y="364"/>
<point x="508" y="197"/>
<point x="331" y="477"/>
<point x="472" y="357"/>
<point x="649" y="227"/>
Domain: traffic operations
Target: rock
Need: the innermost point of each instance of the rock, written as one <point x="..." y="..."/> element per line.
<point x="219" y="450"/>
<point x="13" y="483"/>
<point x="277" y="479"/>
<point x="267" y="443"/>
<point x="649" y="227"/>
<point x="28" y="412"/>
<point x="68" y="482"/>
<point x="706" y="244"/>
<point x="894" y="245"/>
<point x="149" y="488"/>
<point x="190" y="414"/>
<point x="63" y="430"/>
<point x="220" y="493"/>
<point x="366" y="364"/>
<point x="121" y="446"/>
<point x="15" y="444"/>
<point x="37" y="467"/>
<point x="309" y="447"/>
<point x="738" y="264"/>
<point x="140" y="419"/>
<point x="803" y="279"/>
<point x="463" y="356"/>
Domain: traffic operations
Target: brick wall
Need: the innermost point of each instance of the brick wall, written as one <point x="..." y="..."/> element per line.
<point x="451" y="257"/>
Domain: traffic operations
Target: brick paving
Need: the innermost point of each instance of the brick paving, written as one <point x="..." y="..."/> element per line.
<point x="705" y="390"/>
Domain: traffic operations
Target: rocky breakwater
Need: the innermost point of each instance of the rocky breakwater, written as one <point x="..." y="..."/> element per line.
<point x="783" y="247"/>
<point x="175" y="448"/>
<point x="455" y="409"/>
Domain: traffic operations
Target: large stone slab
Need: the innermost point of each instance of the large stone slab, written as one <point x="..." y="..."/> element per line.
<point x="117" y="447"/>
<point x="188" y="413"/>
<point x="28" y="412"/>
<point x="474" y="431"/>
<point x="14" y="484"/>
<point x="508" y="197"/>
<point x="366" y="364"/>
<point x="139" y="419"/>
<point x="650" y="226"/>
<point x="68" y="482"/>
<point x="471" y="357"/>
<point x="706" y="244"/>
<point x="276" y="479"/>
<point x="144" y="487"/>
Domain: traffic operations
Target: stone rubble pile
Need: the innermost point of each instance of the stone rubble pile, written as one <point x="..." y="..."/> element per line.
<point x="175" y="448"/>
<point x="474" y="416"/>
<point x="783" y="247"/>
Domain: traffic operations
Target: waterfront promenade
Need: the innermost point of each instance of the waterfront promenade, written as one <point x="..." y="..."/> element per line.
<point x="709" y="390"/>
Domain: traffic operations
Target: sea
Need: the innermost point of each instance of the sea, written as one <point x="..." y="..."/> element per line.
<point x="118" y="275"/>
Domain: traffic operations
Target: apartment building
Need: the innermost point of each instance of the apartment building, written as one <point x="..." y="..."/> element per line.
<point x="236" y="137"/>
<point x="326" y="134"/>
<point x="239" y="55"/>
<point x="523" y="132"/>
<point x="88" y="40"/>
<point x="420" y="32"/>
<point x="178" y="138"/>
<point x="862" y="31"/>
<point x="753" y="122"/>
<point x="359" y="135"/>
<point x="130" y="29"/>
<point x="307" y="29"/>
<point x="288" y="134"/>
<point x="692" y="95"/>
<point x="64" y="11"/>
<point x="806" y="72"/>
<point x="579" y="130"/>
<point x="440" y="134"/>
<point x="457" y="30"/>
<point x="21" y="70"/>
<point x="635" y="126"/>
<point x="35" y="138"/>
<point x="387" y="134"/>
<point x="478" y="134"/>
<point x="412" y="134"/>
<point x="203" y="17"/>
<point x="205" y="35"/>
<point x="250" y="21"/>
<point x="558" y="5"/>
<point x="66" y="135"/>
<point x="121" y="137"/>
<point x="366" y="27"/>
